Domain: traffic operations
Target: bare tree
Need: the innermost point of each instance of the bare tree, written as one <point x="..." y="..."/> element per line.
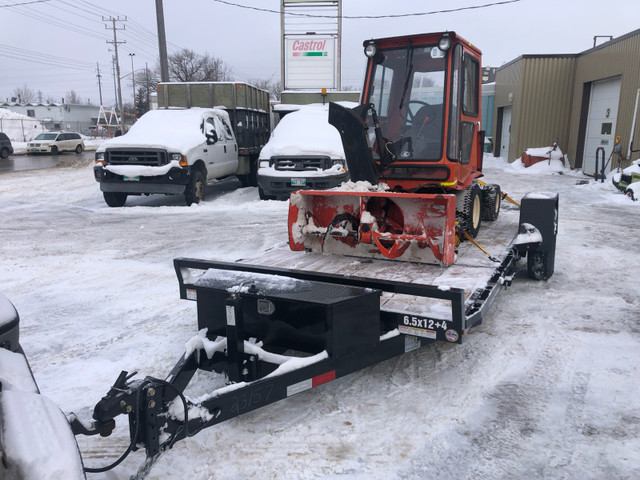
<point x="274" y="88"/>
<point x="24" y="94"/>
<point x="189" y="66"/>
<point x="72" y="97"/>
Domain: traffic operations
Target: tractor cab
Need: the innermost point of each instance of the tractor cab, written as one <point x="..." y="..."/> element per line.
<point x="425" y="91"/>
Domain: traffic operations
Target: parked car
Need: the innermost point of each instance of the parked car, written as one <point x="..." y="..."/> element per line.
<point x="56" y="142"/>
<point x="304" y="152"/>
<point x="6" y="148"/>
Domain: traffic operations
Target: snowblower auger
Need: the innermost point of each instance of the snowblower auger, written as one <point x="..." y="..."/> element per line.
<point x="414" y="152"/>
<point x="391" y="225"/>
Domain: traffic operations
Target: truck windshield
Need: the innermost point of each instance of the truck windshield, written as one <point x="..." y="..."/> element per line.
<point x="407" y="90"/>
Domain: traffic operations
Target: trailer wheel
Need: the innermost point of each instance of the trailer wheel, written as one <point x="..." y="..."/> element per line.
<point x="194" y="192"/>
<point x="536" y="267"/>
<point x="491" y="200"/>
<point x="470" y="217"/>
<point x="115" y="199"/>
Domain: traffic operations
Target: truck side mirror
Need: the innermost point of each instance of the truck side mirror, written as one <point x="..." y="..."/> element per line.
<point x="210" y="133"/>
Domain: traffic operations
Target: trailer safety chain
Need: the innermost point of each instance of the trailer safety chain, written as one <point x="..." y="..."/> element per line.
<point x="470" y="238"/>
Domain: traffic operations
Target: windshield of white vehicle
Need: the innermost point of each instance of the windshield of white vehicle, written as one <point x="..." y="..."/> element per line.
<point x="407" y="91"/>
<point x="46" y="136"/>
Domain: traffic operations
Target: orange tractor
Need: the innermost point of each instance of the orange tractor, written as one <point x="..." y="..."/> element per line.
<point x="414" y="153"/>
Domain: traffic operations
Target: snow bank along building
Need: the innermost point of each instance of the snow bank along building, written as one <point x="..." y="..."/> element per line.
<point x="581" y="101"/>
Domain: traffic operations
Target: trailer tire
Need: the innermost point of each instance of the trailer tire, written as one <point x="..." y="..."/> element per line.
<point x="115" y="199"/>
<point x="491" y="200"/>
<point x="194" y="193"/>
<point x="470" y="217"/>
<point x="536" y="265"/>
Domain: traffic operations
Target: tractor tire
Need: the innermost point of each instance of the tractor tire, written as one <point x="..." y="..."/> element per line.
<point x="115" y="199"/>
<point x="194" y="192"/>
<point x="470" y="217"/>
<point x="491" y="200"/>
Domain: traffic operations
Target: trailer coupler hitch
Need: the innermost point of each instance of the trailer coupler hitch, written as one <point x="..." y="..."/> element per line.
<point x="120" y="399"/>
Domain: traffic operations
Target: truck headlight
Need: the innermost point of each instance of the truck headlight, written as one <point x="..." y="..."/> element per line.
<point x="100" y="158"/>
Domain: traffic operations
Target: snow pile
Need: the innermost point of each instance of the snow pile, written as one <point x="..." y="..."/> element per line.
<point x="553" y="166"/>
<point x="18" y="127"/>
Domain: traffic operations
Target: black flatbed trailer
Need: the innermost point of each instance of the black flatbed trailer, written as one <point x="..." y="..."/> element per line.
<point x="284" y="322"/>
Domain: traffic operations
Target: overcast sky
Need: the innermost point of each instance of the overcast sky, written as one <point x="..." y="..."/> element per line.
<point x="54" y="46"/>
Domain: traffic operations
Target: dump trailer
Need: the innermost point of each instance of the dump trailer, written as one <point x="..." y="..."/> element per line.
<point x="288" y="320"/>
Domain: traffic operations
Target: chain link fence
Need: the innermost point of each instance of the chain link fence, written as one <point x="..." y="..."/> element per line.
<point x="26" y="129"/>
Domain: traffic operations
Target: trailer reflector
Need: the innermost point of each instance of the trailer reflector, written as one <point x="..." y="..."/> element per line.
<point x="310" y="383"/>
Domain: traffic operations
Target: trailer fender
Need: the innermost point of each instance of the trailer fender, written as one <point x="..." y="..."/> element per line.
<point x="538" y="229"/>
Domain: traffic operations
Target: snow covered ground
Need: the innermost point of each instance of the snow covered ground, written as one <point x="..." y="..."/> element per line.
<point x="547" y="387"/>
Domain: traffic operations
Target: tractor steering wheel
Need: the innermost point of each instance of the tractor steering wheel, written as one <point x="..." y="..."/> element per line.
<point x="426" y="111"/>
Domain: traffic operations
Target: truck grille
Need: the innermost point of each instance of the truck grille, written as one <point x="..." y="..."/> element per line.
<point x="153" y="158"/>
<point x="299" y="164"/>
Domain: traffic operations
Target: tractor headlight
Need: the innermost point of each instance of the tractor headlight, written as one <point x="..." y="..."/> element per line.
<point x="444" y="43"/>
<point x="370" y="49"/>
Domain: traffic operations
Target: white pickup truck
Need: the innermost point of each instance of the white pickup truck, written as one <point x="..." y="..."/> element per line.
<point x="168" y="152"/>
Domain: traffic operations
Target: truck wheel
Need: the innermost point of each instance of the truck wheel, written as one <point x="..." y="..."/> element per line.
<point x="491" y="201"/>
<point x="244" y="180"/>
<point x="4" y="153"/>
<point x="470" y="217"/>
<point x="195" y="188"/>
<point x="115" y="199"/>
<point x="264" y="196"/>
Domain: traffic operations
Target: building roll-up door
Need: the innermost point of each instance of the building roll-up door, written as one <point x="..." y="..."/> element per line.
<point x="601" y="123"/>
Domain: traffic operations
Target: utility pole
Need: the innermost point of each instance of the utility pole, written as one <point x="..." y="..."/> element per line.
<point x="115" y="46"/>
<point x="115" y="83"/>
<point x="99" y="82"/>
<point x="133" y="82"/>
<point x="162" y="43"/>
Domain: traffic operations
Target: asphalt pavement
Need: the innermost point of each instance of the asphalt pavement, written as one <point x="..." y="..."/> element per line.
<point x="32" y="162"/>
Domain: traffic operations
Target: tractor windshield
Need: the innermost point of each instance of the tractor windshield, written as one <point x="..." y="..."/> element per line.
<point x="407" y="89"/>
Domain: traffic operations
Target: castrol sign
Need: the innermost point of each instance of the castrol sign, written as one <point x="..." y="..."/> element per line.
<point x="310" y="62"/>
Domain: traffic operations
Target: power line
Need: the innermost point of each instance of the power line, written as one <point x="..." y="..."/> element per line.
<point x="24" y="3"/>
<point x="370" y="17"/>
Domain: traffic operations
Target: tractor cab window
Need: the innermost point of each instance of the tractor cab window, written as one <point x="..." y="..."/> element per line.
<point x="407" y="91"/>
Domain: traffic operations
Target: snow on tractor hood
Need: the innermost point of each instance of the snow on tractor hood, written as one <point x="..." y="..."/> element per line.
<point x="174" y="130"/>
<point x="306" y="132"/>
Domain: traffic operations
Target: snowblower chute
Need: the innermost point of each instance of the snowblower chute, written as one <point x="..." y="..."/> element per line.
<point x="414" y="151"/>
<point x="392" y="225"/>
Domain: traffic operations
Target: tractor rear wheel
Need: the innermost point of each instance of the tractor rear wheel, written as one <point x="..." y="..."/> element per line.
<point x="470" y="217"/>
<point x="491" y="200"/>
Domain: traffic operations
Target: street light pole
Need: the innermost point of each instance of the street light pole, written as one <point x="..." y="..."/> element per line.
<point x="133" y="82"/>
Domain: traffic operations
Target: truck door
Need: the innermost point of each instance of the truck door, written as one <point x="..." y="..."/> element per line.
<point x="221" y="156"/>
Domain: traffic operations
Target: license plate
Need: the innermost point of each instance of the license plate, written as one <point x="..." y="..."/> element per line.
<point x="298" y="182"/>
<point x="131" y="179"/>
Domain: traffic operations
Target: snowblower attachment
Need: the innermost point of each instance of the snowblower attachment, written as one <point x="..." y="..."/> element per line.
<point x="365" y="219"/>
<point x="378" y="224"/>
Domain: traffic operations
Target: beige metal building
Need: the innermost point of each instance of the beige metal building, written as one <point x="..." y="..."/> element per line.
<point x="580" y="101"/>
